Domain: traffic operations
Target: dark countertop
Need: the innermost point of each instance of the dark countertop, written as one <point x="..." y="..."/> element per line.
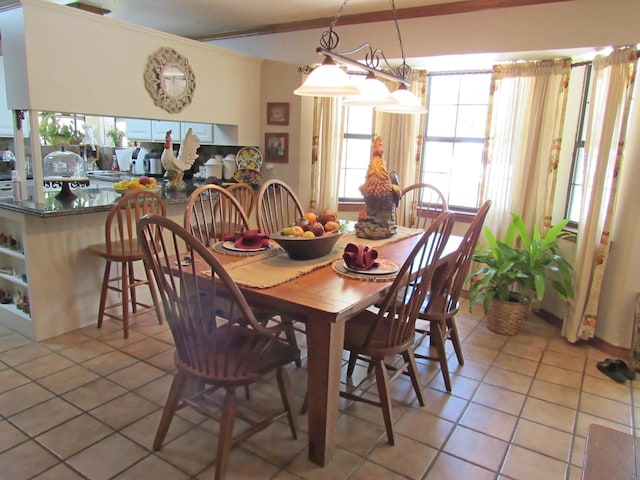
<point x="88" y="199"/>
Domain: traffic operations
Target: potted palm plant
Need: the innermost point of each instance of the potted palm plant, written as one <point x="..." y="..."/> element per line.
<point x="519" y="265"/>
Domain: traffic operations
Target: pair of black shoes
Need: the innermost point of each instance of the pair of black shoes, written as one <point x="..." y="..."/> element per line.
<point x="616" y="370"/>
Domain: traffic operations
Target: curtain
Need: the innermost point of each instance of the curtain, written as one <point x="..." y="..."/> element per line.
<point x="402" y="134"/>
<point x="610" y="102"/>
<point x="326" y="152"/>
<point x="524" y="128"/>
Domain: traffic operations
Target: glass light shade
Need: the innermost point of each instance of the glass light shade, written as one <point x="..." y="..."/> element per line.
<point x="408" y="103"/>
<point x="328" y="80"/>
<point x="374" y="93"/>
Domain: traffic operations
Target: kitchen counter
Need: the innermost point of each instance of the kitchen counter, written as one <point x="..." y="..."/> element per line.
<point x="97" y="197"/>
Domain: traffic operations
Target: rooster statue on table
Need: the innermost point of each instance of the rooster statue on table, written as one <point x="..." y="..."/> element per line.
<point x="381" y="196"/>
<point x="175" y="167"/>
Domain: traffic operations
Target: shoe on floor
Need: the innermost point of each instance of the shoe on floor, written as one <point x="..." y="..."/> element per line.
<point x="622" y="368"/>
<point x="610" y="368"/>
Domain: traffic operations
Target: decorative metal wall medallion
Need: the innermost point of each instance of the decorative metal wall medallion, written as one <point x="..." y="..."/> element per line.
<point x="169" y="80"/>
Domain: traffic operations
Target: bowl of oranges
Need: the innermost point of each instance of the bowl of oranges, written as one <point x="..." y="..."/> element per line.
<point x="313" y="236"/>
<point x="140" y="183"/>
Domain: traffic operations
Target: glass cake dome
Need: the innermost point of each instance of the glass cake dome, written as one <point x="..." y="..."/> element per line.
<point x="63" y="164"/>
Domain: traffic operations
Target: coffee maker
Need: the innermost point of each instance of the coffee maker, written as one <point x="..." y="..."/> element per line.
<point x="152" y="164"/>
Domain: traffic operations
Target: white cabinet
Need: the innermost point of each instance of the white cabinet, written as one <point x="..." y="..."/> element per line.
<point x="6" y="115"/>
<point x="138" y="129"/>
<point x="159" y="130"/>
<point x="225" y="134"/>
<point x="204" y="131"/>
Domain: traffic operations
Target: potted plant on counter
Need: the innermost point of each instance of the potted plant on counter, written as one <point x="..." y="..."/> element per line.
<point x="53" y="133"/>
<point x="518" y="265"/>
<point x="115" y="135"/>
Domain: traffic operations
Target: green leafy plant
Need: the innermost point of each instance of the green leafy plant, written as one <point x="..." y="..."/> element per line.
<point x="53" y="133"/>
<point x="520" y="263"/>
<point x="115" y="135"/>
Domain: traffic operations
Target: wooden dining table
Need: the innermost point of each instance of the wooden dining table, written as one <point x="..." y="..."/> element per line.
<point x="325" y="300"/>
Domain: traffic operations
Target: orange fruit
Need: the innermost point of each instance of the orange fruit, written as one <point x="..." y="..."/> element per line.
<point x="312" y="217"/>
<point x="330" y="226"/>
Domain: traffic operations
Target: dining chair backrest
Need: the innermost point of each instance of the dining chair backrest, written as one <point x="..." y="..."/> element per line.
<point x="213" y="213"/>
<point x="458" y="270"/>
<point x="278" y="206"/>
<point x="244" y="193"/>
<point x="207" y="343"/>
<point x="419" y="205"/>
<point x="393" y="329"/>
<point x="120" y="226"/>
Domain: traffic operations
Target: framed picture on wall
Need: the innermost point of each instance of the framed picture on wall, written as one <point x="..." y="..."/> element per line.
<point x="277" y="114"/>
<point x="276" y="147"/>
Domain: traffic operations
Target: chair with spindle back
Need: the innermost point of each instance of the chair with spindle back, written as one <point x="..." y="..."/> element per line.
<point x="243" y="192"/>
<point x="419" y="205"/>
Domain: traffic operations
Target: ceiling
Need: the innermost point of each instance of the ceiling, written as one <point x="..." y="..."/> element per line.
<point x="209" y="19"/>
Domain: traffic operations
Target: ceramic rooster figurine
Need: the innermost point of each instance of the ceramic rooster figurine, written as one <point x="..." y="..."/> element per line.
<point x="175" y="167"/>
<point x="381" y="196"/>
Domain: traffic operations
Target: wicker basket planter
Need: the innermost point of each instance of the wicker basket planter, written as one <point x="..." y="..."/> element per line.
<point x="505" y="317"/>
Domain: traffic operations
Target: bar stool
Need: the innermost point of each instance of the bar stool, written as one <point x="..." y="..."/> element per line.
<point x="121" y="247"/>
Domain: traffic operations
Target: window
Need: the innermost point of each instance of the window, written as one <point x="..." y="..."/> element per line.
<point x="455" y="134"/>
<point x="356" y="151"/>
<point x="576" y="185"/>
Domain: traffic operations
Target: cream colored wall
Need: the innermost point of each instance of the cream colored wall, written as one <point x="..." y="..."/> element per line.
<point x="82" y="62"/>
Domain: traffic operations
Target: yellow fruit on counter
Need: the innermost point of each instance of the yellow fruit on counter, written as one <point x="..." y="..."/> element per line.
<point x="297" y="231"/>
<point x="308" y="234"/>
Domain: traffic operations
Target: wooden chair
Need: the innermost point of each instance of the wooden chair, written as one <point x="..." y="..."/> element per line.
<point x="437" y="317"/>
<point x="419" y="205"/>
<point x="278" y="206"/>
<point x="243" y="192"/>
<point x="213" y="213"/>
<point x="121" y="247"/>
<point x="214" y="355"/>
<point x="390" y="330"/>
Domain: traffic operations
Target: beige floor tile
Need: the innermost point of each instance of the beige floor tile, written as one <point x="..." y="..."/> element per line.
<point x="549" y="414"/>
<point x="559" y="375"/>
<point x="371" y="471"/>
<point x="443" y="405"/>
<point x="575" y="473"/>
<point x="523" y="464"/>
<point x="489" y="421"/>
<point x="424" y="427"/>
<point x="523" y="350"/>
<point x="470" y="369"/>
<point x="562" y="360"/>
<point x="400" y="458"/>
<point x="124" y="410"/>
<point x="608" y="409"/>
<point x="476" y="448"/>
<point x="515" y="363"/>
<point x="586" y="419"/>
<point x="486" y="339"/>
<point x="92" y="394"/>
<point x="508" y="380"/>
<point x="152" y="468"/>
<point x="25" y="353"/>
<point x="70" y="437"/>
<point x="164" y="361"/>
<point x="109" y="362"/>
<point x="341" y="467"/>
<point x="44" y="366"/>
<point x="143" y="431"/>
<point x="85" y="351"/>
<point x="97" y="461"/>
<point x="535" y="341"/>
<point x="562" y="345"/>
<point x="23" y="397"/>
<point x="191" y="452"/>
<point x="500" y="399"/>
<point x="68" y="379"/>
<point x="276" y="444"/>
<point x="45" y="416"/>
<point x="462" y="386"/>
<point x="157" y="390"/>
<point x="26" y="461"/>
<point x="10" y="379"/>
<point x="146" y="348"/>
<point x="10" y="436"/>
<point x="555" y="393"/>
<point x="355" y="435"/>
<point x="136" y="375"/>
<point x="446" y="467"/>
<point x="59" y="472"/>
<point x="66" y="340"/>
<point x="479" y="354"/>
<point x="543" y="439"/>
<point x="12" y="340"/>
<point x="605" y="387"/>
<point x="577" y="451"/>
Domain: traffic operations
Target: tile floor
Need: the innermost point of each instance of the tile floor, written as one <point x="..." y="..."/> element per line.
<point x="86" y="405"/>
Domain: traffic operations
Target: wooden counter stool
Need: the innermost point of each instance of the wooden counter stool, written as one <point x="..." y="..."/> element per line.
<point x="121" y="247"/>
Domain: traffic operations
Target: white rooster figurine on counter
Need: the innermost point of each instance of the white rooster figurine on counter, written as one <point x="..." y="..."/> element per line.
<point x="175" y="167"/>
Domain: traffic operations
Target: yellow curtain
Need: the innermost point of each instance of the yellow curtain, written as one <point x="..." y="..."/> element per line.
<point x="613" y="82"/>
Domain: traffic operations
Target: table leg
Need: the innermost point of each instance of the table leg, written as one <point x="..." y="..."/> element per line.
<point x="325" y="341"/>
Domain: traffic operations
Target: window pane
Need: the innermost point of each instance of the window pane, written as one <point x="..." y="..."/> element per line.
<point x="444" y="90"/>
<point x="472" y="121"/>
<point x="474" y="89"/>
<point x="438" y="157"/>
<point x="442" y="121"/>
<point x="466" y="173"/>
<point x="359" y="120"/>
